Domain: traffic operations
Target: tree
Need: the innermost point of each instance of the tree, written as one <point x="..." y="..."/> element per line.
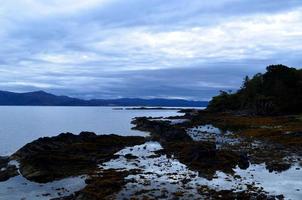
<point x="278" y="91"/>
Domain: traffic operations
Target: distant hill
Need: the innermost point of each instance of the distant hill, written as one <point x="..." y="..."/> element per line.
<point x="277" y="91"/>
<point x="41" y="98"/>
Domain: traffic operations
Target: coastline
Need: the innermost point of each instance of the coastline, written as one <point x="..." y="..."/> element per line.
<point x="235" y="151"/>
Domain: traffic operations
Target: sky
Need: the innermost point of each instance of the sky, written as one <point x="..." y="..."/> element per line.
<point x="144" y="48"/>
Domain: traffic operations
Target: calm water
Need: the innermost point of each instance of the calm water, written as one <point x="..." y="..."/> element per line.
<point x="20" y="125"/>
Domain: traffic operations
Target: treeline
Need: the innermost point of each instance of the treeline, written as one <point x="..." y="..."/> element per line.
<point x="278" y="91"/>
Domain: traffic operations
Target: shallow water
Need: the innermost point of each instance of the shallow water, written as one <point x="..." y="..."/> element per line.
<point x="17" y="188"/>
<point x="162" y="177"/>
<point x="288" y="183"/>
<point x="211" y="133"/>
<point x="170" y="121"/>
<point x="22" y="124"/>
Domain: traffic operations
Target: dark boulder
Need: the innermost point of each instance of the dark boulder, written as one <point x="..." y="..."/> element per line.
<point x="161" y="131"/>
<point x="204" y="157"/>
<point x="3" y="161"/>
<point x="276" y="166"/>
<point x="6" y="170"/>
<point x="243" y="161"/>
<point x="129" y="156"/>
<point x="52" y="158"/>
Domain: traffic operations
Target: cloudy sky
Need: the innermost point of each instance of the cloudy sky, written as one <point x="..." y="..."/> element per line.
<point x="144" y="48"/>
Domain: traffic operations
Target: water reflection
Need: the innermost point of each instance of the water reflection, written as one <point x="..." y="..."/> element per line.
<point x="211" y="133"/>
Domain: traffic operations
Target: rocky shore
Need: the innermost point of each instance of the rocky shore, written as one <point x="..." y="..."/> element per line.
<point x="6" y="169"/>
<point x="198" y="155"/>
<point x="67" y="155"/>
<point x="274" y="141"/>
<point x="200" y="144"/>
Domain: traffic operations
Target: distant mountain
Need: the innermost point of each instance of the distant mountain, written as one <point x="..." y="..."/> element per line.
<point x="41" y="98"/>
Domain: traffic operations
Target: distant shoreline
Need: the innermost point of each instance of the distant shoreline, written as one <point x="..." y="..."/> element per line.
<point x="41" y="98"/>
<point x="116" y="107"/>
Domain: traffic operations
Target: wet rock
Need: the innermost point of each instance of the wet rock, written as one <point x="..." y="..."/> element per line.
<point x="46" y="194"/>
<point x="178" y="194"/>
<point x="102" y="185"/>
<point x="8" y="172"/>
<point x="250" y="193"/>
<point x="277" y="166"/>
<point x="280" y="197"/>
<point x="185" y="181"/>
<point x="203" y="157"/>
<point x="154" y="156"/>
<point x="3" y="161"/>
<point x="161" y="130"/>
<point x="52" y="158"/>
<point x="130" y="156"/>
<point x="243" y="161"/>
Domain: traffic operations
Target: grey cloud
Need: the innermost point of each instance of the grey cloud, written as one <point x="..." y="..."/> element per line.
<point x="121" y="68"/>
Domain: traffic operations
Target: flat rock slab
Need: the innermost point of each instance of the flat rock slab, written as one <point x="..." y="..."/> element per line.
<point x="6" y="170"/>
<point x="54" y="158"/>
